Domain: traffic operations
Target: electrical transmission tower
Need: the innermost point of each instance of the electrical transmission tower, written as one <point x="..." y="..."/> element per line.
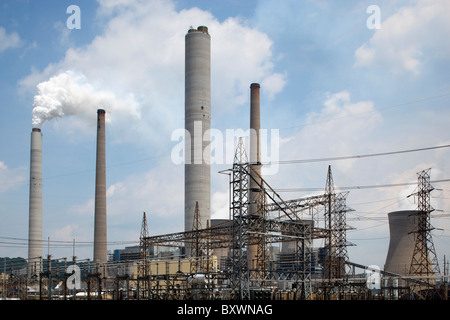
<point x="200" y="257"/>
<point x="195" y="244"/>
<point x="240" y="238"/>
<point x="424" y="263"/>
<point x="143" y="248"/>
<point x="336" y="240"/>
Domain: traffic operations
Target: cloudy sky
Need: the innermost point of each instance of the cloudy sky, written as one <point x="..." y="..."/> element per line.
<point x="334" y="83"/>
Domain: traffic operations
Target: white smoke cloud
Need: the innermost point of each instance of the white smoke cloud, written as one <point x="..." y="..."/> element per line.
<point x="69" y="93"/>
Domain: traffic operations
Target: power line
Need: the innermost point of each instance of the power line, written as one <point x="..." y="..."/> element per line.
<point x="61" y="243"/>
<point x="356" y="156"/>
<point x="375" y="186"/>
<point x="372" y="111"/>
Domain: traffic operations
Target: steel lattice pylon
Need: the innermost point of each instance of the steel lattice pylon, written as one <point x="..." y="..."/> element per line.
<point x="196" y="248"/>
<point x="144" y="248"/>
<point x="424" y="263"/>
<point x="336" y="241"/>
<point x="200" y="255"/>
<point x="144" y="266"/>
<point x="240" y="238"/>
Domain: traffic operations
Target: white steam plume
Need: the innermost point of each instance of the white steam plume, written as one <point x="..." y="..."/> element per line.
<point x="70" y="93"/>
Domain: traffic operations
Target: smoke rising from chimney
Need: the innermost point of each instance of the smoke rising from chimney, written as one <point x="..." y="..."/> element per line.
<point x="70" y="93"/>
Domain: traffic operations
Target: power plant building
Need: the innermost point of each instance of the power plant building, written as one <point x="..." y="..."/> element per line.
<point x="263" y="251"/>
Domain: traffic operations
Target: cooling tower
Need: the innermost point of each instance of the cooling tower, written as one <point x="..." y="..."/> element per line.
<point x="197" y="124"/>
<point x="100" y="239"/>
<point x="35" y="204"/>
<point x="402" y="228"/>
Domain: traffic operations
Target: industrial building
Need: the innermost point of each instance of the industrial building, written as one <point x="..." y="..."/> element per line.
<point x="266" y="250"/>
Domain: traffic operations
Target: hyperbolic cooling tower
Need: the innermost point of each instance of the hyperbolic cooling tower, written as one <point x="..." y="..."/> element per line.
<point x="197" y="124"/>
<point x="403" y="226"/>
<point x="100" y="238"/>
<point x="35" y="204"/>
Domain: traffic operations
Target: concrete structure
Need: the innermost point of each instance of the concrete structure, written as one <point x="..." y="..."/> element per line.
<point x="255" y="194"/>
<point x="402" y="228"/>
<point x="197" y="124"/>
<point x="255" y="150"/>
<point x="100" y="231"/>
<point x="35" y="204"/>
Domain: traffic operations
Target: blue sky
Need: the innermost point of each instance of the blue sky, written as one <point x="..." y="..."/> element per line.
<point x="330" y="85"/>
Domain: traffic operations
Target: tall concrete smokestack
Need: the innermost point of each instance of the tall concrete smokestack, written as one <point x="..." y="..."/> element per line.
<point x="100" y="239"/>
<point x="35" y="204"/>
<point x="255" y="161"/>
<point x="255" y="126"/>
<point x="197" y="124"/>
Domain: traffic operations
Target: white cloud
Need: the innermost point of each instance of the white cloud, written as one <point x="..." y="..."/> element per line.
<point x="409" y="38"/>
<point x="240" y="56"/>
<point x="274" y="84"/>
<point x="159" y="192"/>
<point x="84" y="209"/>
<point x="11" y="178"/>
<point x="8" y="41"/>
<point x="220" y="205"/>
<point x="339" y="128"/>
<point x="65" y="233"/>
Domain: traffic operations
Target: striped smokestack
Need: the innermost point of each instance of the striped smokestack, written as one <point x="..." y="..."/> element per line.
<point x="35" y="204"/>
<point x="100" y="239"/>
